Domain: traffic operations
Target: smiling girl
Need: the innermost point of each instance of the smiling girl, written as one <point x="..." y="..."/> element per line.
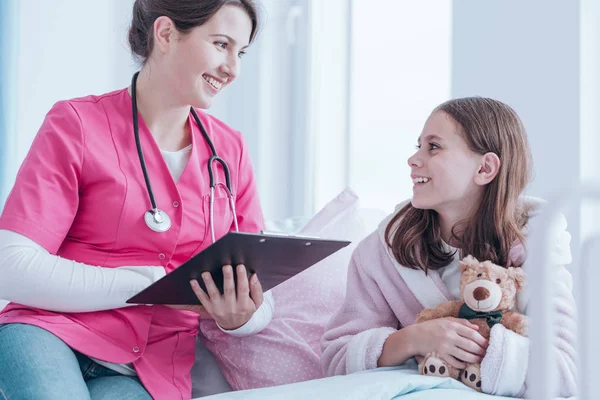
<point x="470" y="169"/>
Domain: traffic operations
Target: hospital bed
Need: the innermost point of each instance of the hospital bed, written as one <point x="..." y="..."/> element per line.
<point x="389" y="383"/>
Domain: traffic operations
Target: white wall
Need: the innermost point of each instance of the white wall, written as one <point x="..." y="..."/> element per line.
<point x="66" y="49"/>
<point x="590" y="173"/>
<point x="526" y="53"/>
<point x="8" y="107"/>
<point x="590" y="104"/>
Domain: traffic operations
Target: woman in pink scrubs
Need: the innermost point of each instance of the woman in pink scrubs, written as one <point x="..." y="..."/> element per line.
<point x="74" y="245"/>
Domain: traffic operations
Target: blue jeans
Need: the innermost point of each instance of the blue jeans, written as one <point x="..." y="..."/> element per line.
<point x="35" y="364"/>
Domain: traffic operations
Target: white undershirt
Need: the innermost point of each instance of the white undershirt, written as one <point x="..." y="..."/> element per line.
<point x="177" y="160"/>
<point x="64" y="285"/>
<point x="450" y="275"/>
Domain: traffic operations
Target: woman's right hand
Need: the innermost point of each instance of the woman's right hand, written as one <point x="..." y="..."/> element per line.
<point x="456" y="341"/>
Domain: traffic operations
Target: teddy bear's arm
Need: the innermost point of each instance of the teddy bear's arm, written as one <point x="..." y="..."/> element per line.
<point x="515" y="322"/>
<point x="448" y="309"/>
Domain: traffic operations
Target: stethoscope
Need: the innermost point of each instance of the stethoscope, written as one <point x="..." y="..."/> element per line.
<point x="157" y="219"/>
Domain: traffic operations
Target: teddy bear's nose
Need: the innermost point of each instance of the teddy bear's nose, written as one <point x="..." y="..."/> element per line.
<point x="481" y="293"/>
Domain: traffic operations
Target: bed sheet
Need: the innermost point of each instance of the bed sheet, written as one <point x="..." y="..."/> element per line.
<point x="378" y="384"/>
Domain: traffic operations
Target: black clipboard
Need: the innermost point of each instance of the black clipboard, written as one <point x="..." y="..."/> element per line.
<point x="275" y="258"/>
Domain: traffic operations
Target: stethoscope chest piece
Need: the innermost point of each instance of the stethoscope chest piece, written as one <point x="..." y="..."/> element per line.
<point x="157" y="220"/>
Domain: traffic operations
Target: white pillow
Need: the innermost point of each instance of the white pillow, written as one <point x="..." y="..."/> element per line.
<point x="3" y="304"/>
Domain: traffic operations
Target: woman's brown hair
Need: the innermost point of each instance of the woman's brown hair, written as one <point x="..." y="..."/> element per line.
<point x="185" y="14"/>
<point x="495" y="225"/>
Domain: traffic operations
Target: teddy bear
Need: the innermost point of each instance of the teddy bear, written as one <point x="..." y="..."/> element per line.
<point x="488" y="294"/>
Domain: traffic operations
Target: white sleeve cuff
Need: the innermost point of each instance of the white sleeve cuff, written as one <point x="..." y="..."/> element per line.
<point x="363" y="350"/>
<point x="504" y="367"/>
<point x="259" y="321"/>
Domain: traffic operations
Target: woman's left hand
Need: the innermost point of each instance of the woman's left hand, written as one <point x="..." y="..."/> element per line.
<point x="233" y="308"/>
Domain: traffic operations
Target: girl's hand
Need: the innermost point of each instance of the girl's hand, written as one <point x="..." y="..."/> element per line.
<point x="233" y="308"/>
<point x="456" y="341"/>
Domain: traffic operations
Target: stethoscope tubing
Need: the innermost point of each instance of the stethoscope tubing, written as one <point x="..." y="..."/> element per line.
<point x="158" y="218"/>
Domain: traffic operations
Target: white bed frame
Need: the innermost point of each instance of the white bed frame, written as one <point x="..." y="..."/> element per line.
<point x="542" y="370"/>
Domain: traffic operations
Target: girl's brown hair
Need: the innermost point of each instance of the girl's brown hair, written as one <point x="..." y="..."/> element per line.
<point x="486" y="125"/>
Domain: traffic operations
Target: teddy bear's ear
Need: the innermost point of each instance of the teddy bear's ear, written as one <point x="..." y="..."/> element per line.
<point x="517" y="275"/>
<point x="468" y="262"/>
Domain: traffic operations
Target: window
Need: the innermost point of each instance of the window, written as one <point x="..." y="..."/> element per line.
<point x="368" y="117"/>
<point x="401" y="59"/>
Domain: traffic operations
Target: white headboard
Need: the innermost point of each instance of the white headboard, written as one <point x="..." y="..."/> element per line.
<point x="542" y="371"/>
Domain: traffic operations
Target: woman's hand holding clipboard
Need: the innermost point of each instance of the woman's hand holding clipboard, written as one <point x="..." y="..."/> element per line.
<point x="232" y="307"/>
<point x="274" y="257"/>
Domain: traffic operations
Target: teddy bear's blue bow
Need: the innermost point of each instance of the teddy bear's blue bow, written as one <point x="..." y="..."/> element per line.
<point x="492" y="317"/>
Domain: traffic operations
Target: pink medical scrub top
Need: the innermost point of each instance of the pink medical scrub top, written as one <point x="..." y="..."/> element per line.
<point x="80" y="193"/>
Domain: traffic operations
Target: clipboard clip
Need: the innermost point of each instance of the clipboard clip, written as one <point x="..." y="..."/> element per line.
<point x="291" y="235"/>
